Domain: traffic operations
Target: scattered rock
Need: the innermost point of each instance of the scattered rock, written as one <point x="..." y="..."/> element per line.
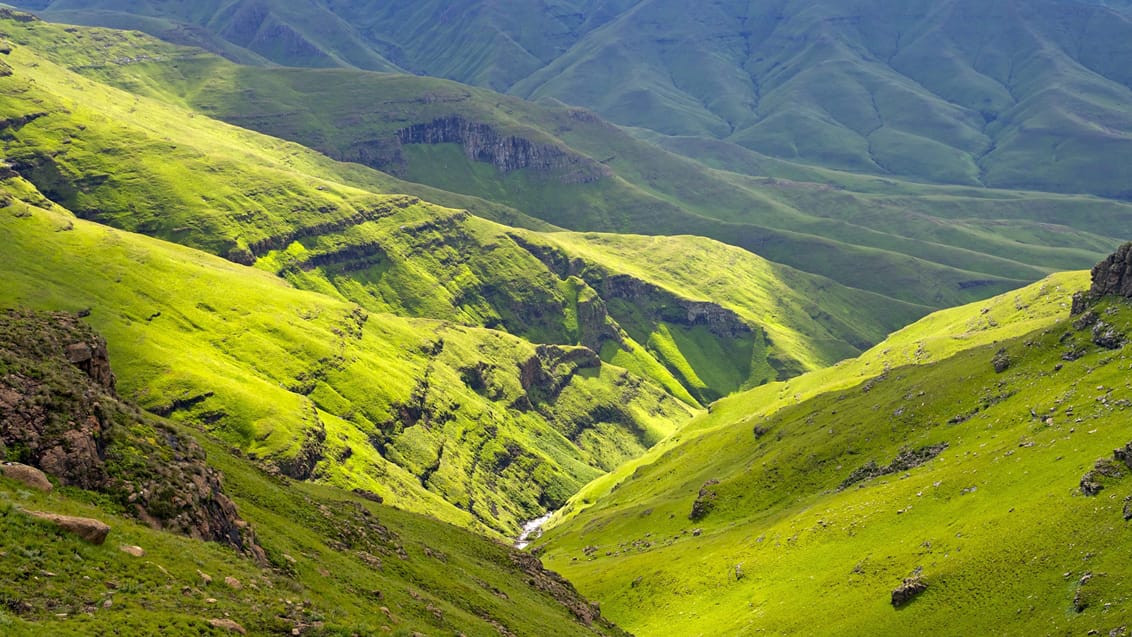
<point x="88" y="529"/>
<point x="233" y="583"/>
<point x="205" y="578"/>
<point x="228" y="625"/>
<point x="136" y="551"/>
<point x="29" y="476"/>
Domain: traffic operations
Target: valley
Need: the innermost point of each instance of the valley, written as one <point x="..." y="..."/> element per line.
<point x="435" y="318"/>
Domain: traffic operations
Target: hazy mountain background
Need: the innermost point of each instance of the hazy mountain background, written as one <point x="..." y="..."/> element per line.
<point x="1001" y="94"/>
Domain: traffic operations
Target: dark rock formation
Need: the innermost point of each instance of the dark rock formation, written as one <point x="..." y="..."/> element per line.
<point x="508" y="153"/>
<point x="1111" y="277"/>
<point x="705" y="501"/>
<point x="905" y="460"/>
<point x="908" y="589"/>
<point x="88" y="529"/>
<point x="544" y="375"/>
<point x="553" y="584"/>
<point x="720" y="321"/>
<point x="59" y="413"/>
<point x="1104" y="468"/>
<point x="1001" y="361"/>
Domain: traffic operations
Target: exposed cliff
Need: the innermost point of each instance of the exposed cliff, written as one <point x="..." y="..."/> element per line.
<point x="508" y="153"/>
<point x="1111" y="277"/>
<point x="59" y="412"/>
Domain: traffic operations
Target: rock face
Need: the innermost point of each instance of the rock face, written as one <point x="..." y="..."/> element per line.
<point x="60" y="414"/>
<point x="90" y="530"/>
<point x="483" y="143"/>
<point x="1111" y="277"/>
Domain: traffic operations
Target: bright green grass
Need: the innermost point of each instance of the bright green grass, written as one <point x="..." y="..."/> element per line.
<point x="264" y="366"/>
<point x="112" y="157"/>
<point x="812" y="555"/>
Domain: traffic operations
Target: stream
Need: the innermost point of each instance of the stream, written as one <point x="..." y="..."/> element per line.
<point x="532" y="530"/>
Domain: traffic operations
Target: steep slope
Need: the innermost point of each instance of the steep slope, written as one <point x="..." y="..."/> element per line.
<point x="327" y="562"/>
<point x="149" y="167"/>
<point x="928" y="246"/>
<point x="430" y="416"/>
<point x="962" y="92"/>
<point x="831" y="513"/>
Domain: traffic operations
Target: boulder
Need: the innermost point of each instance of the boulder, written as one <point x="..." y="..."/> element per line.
<point x="136" y="551"/>
<point x="29" y="476"/>
<point x="908" y="590"/>
<point x="228" y="625"/>
<point x="88" y="529"/>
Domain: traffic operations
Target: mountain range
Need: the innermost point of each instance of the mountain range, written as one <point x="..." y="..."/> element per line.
<point x="776" y="311"/>
<point x="959" y="92"/>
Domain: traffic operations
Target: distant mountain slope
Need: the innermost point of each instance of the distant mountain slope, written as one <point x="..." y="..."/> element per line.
<point x="881" y="503"/>
<point x="928" y="246"/>
<point x="963" y="92"/>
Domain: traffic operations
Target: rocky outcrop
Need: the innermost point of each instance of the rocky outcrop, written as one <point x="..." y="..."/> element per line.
<point x="670" y="308"/>
<point x="705" y="501"/>
<point x="59" y="413"/>
<point x="508" y="153"/>
<point x="544" y="375"/>
<point x="88" y="529"/>
<point x="905" y="460"/>
<point x="553" y="584"/>
<point x="909" y="589"/>
<point x="1111" y="277"/>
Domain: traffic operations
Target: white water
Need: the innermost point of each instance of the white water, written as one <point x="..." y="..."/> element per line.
<point x="532" y="530"/>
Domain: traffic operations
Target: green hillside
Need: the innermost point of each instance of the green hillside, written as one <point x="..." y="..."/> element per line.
<point x="810" y="511"/>
<point x="963" y="92"/>
<point x="142" y="165"/>
<point x="928" y="246"/>
<point x="315" y="560"/>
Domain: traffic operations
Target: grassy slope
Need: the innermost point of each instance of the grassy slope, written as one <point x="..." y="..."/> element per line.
<point x="337" y="565"/>
<point x="944" y="237"/>
<point x="318" y="222"/>
<point x="265" y="366"/>
<point x="1019" y="442"/>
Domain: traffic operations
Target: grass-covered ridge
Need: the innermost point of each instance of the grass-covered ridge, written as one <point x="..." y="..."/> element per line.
<point x="783" y="521"/>
<point x="933" y="246"/>
<point x="150" y="166"/>
<point x="964" y="92"/>
<point x="430" y="416"/>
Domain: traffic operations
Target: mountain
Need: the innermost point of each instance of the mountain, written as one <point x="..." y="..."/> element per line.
<point x="966" y="464"/>
<point x="928" y="246"/>
<point x="997" y="94"/>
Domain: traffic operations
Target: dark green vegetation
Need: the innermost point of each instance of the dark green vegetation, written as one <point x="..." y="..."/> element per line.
<point x="328" y="563"/>
<point x="961" y="92"/>
<point x="788" y="510"/>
